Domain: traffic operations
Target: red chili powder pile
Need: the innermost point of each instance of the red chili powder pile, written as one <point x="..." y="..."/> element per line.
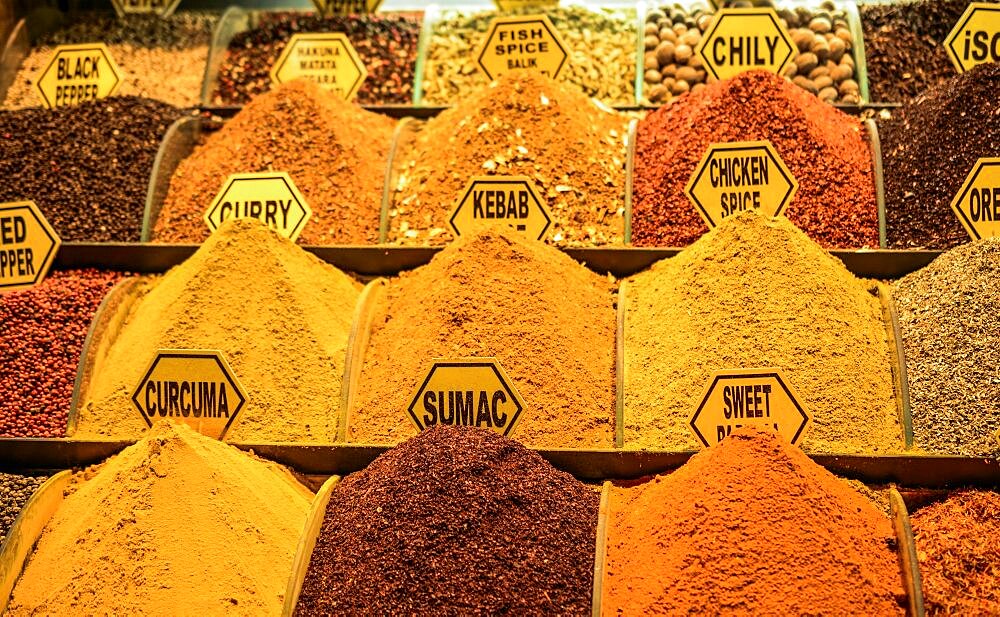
<point x="958" y="546"/>
<point x="826" y="150"/>
<point x="751" y="527"/>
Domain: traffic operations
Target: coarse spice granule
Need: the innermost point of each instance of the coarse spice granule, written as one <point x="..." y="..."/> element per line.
<point x="334" y="151"/>
<point x="86" y="166"/>
<point x="177" y="524"/>
<point x="929" y="146"/>
<point x="141" y="45"/>
<point x="826" y="151"/>
<point x="547" y="319"/>
<point x="41" y="340"/>
<point x="522" y="124"/>
<point x="958" y="548"/>
<point x="751" y="526"/>
<point x="280" y="316"/>
<point x="15" y="491"/>
<point x="904" y="46"/>
<point x="385" y="42"/>
<point x="457" y="520"/>
<point x="949" y="319"/>
<point x="756" y="292"/>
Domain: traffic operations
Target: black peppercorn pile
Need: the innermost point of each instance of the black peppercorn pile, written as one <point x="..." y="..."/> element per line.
<point x="87" y="167"/>
<point x="15" y="491"/>
<point x="455" y="521"/>
<point x="928" y="149"/>
<point x="386" y="44"/>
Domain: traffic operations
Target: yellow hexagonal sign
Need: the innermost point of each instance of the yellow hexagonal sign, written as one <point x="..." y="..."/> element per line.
<point x="749" y="397"/>
<point x="522" y="42"/>
<point x="346" y="7"/>
<point x="163" y="8"/>
<point x="977" y="204"/>
<point x="78" y="73"/>
<point x="508" y="6"/>
<point x="739" y="40"/>
<point x="501" y="199"/>
<point x="196" y="387"/>
<point x="28" y="246"/>
<point x="327" y="58"/>
<point x="467" y="392"/>
<point x="270" y="197"/>
<point x="737" y="176"/>
<point x="975" y="39"/>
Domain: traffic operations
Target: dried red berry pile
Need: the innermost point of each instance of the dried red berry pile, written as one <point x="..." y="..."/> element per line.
<point x="40" y="345"/>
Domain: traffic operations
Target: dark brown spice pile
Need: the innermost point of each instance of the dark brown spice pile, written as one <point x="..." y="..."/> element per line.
<point x="15" y="491"/>
<point x="455" y="521"/>
<point x="87" y="167"/>
<point x="40" y="344"/>
<point x="958" y="547"/>
<point x="386" y="43"/>
<point x="928" y="149"/>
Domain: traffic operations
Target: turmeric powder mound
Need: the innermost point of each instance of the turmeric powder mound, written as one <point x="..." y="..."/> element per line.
<point x="549" y="320"/>
<point x="177" y="524"/>
<point x="280" y="316"/>
<point x="334" y="151"/>
<point x="757" y="292"/>
<point x="749" y="527"/>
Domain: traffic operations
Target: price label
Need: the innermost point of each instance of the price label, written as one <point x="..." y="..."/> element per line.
<point x="467" y="392"/>
<point x="748" y="397"/>
<point x="163" y="8"/>
<point x="977" y="204"/>
<point x="327" y="58"/>
<point x="739" y="40"/>
<point x="196" y="387"/>
<point x="270" y="197"/>
<point x="28" y="246"/>
<point x="344" y="8"/>
<point x="517" y="43"/>
<point x="975" y="39"/>
<point x="509" y="199"/>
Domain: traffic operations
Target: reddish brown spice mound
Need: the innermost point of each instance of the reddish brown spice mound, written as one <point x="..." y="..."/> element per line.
<point x="751" y="526"/>
<point x="958" y="546"/>
<point x="826" y="150"/>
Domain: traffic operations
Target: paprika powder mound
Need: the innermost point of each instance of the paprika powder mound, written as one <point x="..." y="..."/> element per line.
<point x="289" y="358"/>
<point x="522" y="124"/>
<point x="456" y="520"/>
<point x="334" y="151"/>
<point x="826" y="151"/>
<point x="958" y="548"/>
<point x="756" y="292"/>
<point x="751" y="526"/>
<point x="177" y="524"/>
<point x="547" y="319"/>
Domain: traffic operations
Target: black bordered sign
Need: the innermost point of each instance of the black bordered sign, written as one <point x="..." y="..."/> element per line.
<point x="977" y="203"/>
<point x="163" y="8"/>
<point x="28" y="246"/>
<point x="467" y="392"/>
<point x="270" y="197"/>
<point x="191" y="386"/>
<point x="753" y="396"/>
<point x="975" y="39"/>
<point x="751" y="25"/>
<point x="521" y="42"/>
<point x="501" y="199"/>
<point x="327" y="58"/>
<point x="88" y="73"/>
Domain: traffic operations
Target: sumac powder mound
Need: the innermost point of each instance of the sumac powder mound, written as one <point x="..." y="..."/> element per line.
<point x="334" y="151"/>
<point x="522" y="124"/>
<point x="826" y="150"/>
<point x="929" y="146"/>
<point x="86" y="166"/>
<point x="457" y="520"/>
<point x="549" y="320"/>
<point x="40" y="345"/>
<point x="958" y="547"/>
<point x="751" y="526"/>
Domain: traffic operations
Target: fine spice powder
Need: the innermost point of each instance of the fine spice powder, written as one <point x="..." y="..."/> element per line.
<point x="457" y="520"/>
<point x="334" y="151"/>
<point x="141" y="45"/>
<point x="385" y="42"/>
<point x="751" y="526"/>
<point x="949" y="318"/>
<point x="40" y="344"/>
<point x="826" y="151"/>
<point x="522" y="124"/>
<point x="86" y="166"/>
<point x="176" y="524"/>
<point x="958" y="547"/>
<point x="756" y="292"/>
<point x="599" y="43"/>
<point x="904" y="46"/>
<point x="15" y="491"/>
<point x="547" y="319"/>
<point x="929" y="146"/>
<point x="289" y="358"/>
